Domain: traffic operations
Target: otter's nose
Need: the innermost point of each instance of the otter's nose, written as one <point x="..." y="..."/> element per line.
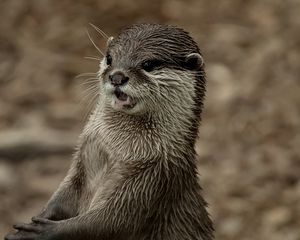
<point x="118" y="79"/>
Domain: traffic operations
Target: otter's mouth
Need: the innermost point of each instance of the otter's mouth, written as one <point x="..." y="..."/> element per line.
<point x="123" y="100"/>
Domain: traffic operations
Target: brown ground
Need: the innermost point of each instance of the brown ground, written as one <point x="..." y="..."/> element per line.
<point x="249" y="141"/>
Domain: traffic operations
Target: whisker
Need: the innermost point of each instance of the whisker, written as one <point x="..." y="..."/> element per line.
<point x="92" y="58"/>
<point x="102" y="33"/>
<point x="98" y="49"/>
<point x="85" y="75"/>
<point x="90" y="82"/>
<point x="92" y="78"/>
<point x="88" y="103"/>
<point x="91" y="90"/>
<point x="88" y="96"/>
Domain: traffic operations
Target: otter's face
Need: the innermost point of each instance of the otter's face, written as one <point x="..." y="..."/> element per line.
<point x="149" y="68"/>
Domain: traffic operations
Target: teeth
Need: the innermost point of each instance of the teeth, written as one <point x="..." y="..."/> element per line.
<point x="123" y="97"/>
<point x="123" y="100"/>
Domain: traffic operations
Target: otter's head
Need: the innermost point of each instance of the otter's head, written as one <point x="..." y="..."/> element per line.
<point x="152" y="68"/>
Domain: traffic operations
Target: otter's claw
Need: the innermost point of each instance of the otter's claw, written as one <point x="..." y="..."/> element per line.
<point x="39" y="229"/>
<point x="26" y="227"/>
<point x="20" y="236"/>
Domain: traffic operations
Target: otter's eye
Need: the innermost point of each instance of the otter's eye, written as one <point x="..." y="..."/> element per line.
<point x="150" y="65"/>
<point x="108" y="59"/>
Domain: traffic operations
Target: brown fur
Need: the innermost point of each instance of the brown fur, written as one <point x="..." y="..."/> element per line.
<point x="134" y="174"/>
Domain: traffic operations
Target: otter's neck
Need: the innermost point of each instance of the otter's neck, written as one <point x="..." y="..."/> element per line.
<point x="143" y="136"/>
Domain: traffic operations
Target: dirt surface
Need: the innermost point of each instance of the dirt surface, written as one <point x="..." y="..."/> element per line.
<point x="249" y="139"/>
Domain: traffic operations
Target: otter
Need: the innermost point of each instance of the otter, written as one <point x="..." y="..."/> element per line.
<point x="134" y="173"/>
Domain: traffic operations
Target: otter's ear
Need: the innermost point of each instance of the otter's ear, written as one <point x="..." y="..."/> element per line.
<point x="194" y="61"/>
<point x="109" y="40"/>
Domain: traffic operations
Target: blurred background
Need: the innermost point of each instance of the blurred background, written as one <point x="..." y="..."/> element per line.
<point x="249" y="144"/>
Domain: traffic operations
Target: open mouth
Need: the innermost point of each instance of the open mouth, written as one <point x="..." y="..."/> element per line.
<point x="123" y="100"/>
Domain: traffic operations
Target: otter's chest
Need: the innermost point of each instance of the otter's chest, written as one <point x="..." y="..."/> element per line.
<point x="95" y="158"/>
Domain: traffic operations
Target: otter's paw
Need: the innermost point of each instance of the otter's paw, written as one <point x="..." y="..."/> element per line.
<point x="39" y="229"/>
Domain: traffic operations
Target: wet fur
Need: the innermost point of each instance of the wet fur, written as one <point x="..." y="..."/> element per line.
<point x="134" y="175"/>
